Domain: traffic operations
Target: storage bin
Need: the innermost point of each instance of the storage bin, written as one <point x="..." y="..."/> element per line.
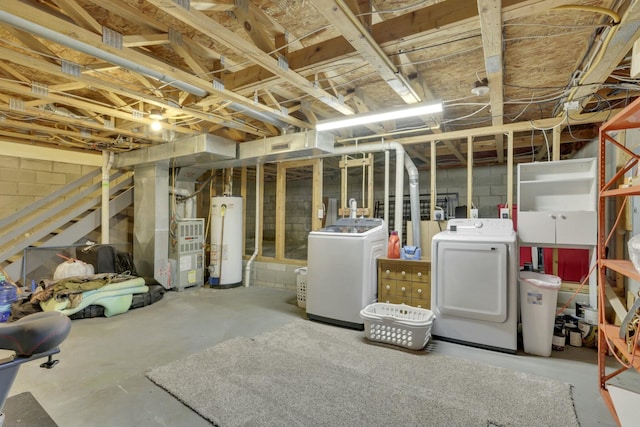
<point x="301" y="286"/>
<point x="398" y="324"/>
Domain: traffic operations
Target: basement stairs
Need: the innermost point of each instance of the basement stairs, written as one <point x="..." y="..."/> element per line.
<point x="62" y="218"/>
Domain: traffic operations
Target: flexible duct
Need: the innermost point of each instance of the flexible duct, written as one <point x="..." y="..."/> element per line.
<point x="414" y="197"/>
<point x="247" y="268"/>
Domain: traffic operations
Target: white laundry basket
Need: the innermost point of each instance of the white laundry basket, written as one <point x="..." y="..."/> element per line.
<point x="538" y="300"/>
<point x="301" y="286"/>
<point x="398" y="324"/>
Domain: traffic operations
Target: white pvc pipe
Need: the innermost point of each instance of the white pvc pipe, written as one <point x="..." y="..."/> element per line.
<point x="377" y="147"/>
<point x="107" y="162"/>
<point x="247" y="268"/>
<point x="386" y="186"/>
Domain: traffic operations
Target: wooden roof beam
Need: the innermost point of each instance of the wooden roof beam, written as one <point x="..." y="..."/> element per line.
<point x="490" y="13"/>
<point x="348" y="24"/>
<point x="200" y="22"/>
<point x="80" y="16"/>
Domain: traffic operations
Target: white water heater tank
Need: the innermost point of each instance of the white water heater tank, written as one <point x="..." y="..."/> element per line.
<point x="225" y="267"/>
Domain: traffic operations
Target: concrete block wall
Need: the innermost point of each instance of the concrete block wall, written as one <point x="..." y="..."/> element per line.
<point x="24" y="181"/>
<point x="273" y="275"/>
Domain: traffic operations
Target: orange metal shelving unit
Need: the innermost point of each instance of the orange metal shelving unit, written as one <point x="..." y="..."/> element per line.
<point x="608" y="334"/>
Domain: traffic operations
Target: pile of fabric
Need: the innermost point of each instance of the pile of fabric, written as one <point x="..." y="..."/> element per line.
<point x="69" y="295"/>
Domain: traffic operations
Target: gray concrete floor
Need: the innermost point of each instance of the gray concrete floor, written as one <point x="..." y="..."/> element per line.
<point x="100" y="380"/>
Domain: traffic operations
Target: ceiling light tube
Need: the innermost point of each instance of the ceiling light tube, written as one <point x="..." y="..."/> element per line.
<point x="381" y="116"/>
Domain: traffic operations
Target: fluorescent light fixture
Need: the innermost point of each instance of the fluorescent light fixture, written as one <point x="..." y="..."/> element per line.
<point x="381" y="116"/>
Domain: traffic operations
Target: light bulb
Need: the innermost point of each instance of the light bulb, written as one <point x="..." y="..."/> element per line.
<point x="156" y="126"/>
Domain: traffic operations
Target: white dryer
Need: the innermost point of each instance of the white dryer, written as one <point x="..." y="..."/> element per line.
<point x="474" y="268"/>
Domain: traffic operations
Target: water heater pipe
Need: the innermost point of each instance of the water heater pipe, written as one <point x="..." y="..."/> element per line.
<point x="247" y="268"/>
<point x="107" y="162"/>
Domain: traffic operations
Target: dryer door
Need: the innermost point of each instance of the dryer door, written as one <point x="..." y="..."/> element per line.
<point x="471" y="280"/>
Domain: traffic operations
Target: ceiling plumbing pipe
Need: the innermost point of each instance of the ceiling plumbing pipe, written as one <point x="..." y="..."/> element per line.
<point x="247" y="268"/>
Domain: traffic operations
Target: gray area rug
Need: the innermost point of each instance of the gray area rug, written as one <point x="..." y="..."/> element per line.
<point x="311" y="374"/>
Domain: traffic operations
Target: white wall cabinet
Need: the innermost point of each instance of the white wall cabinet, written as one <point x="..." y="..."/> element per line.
<point x="557" y="203"/>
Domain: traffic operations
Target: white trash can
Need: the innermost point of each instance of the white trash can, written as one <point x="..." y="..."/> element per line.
<point x="538" y="300"/>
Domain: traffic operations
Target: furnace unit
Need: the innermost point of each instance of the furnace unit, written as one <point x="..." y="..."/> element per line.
<point x="187" y="249"/>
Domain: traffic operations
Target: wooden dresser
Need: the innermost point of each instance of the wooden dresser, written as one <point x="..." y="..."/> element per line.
<point x="402" y="281"/>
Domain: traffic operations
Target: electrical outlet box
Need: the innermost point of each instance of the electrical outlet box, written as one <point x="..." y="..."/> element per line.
<point x="474" y="213"/>
<point x="571" y="105"/>
<point x="438" y="215"/>
<point x="504" y="213"/>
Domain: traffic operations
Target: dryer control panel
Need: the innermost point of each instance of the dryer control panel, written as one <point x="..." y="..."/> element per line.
<point x="480" y="226"/>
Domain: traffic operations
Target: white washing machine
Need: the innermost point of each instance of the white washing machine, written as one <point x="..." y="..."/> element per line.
<point x="341" y="273"/>
<point x="474" y="273"/>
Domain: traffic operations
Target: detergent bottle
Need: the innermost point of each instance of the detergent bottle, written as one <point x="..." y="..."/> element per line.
<point x="393" y="250"/>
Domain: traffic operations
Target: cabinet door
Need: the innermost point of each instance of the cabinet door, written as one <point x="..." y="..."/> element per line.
<point x="537" y="227"/>
<point x="576" y="228"/>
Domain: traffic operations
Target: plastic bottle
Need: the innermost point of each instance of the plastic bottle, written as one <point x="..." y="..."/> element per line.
<point x="393" y="250"/>
<point x="8" y="295"/>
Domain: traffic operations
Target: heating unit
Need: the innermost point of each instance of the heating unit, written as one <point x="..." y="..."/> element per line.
<point x="341" y="274"/>
<point x="474" y="267"/>
<point x="187" y="249"/>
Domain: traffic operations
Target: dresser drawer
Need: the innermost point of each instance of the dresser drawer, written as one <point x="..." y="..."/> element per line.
<point x="386" y="289"/>
<point x="387" y="270"/>
<point x="403" y="288"/>
<point x="421" y="295"/>
<point x="421" y="274"/>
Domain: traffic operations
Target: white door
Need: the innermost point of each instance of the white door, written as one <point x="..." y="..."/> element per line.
<point x="471" y="280"/>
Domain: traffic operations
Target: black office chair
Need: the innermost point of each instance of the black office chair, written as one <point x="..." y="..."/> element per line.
<point x="32" y="337"/>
